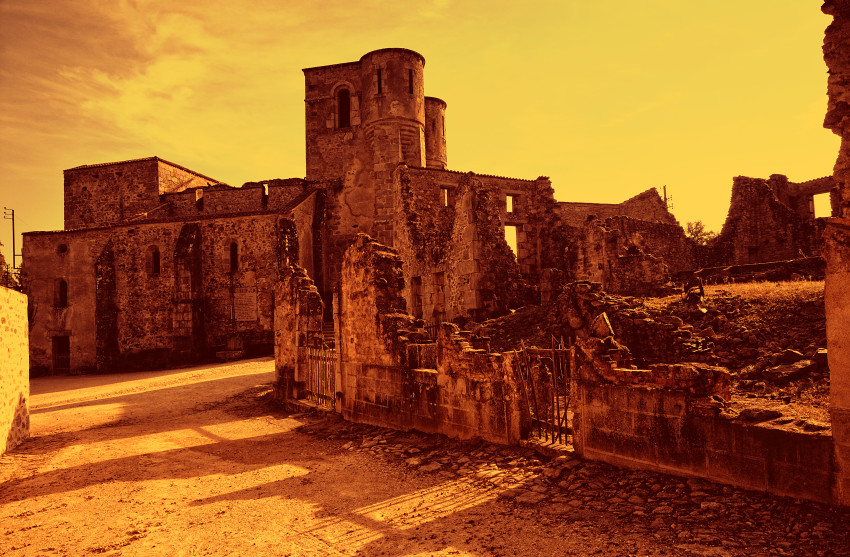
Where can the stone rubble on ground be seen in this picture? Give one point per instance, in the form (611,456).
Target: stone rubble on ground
(694,512)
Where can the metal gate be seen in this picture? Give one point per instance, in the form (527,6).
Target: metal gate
(545,384)
(321,377)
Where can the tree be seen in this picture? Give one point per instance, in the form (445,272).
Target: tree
(7,274)
(697,232)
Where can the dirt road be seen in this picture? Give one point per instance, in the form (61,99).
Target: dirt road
(199,462)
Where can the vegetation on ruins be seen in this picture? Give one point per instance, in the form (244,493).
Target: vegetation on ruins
(697,232)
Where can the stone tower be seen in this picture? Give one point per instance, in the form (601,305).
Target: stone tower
(363,119)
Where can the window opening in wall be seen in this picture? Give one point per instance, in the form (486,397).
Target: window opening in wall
(443,124)
(155,261)
(61,354)
(344,108)
(60,299)
(416,295)
(380,83)
(821,206)
(510,202)
(62,249)
(410,81)
(234,257)
(444,196)
(439,297)
(511,238)
(752,254)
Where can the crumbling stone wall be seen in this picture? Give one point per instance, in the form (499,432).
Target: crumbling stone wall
(836,50)
(608,255)
(14,376)
(450,231)
(646,206)
(297,327)
(768,220)
(674,418)
(463,392)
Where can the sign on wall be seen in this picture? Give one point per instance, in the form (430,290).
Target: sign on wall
(245,303)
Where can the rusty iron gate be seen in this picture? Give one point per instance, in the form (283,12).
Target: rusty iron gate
(320,386)
(544,377)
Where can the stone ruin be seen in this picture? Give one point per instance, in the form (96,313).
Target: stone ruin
(772,220)
(159,264)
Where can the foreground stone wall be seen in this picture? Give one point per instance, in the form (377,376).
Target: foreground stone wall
(674,418)
(392,376)
(14,370)
(669,430)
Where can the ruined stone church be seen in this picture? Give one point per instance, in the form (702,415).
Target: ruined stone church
(158,264)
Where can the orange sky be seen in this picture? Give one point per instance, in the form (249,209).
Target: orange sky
(606,98)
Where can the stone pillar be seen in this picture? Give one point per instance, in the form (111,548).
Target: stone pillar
(837,301)
(836,53)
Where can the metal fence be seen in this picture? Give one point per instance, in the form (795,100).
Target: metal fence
(545,384)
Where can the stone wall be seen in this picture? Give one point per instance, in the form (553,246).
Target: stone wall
(123,309)
(14,376)
(769,220)
(646,206)
(670,431)
(836,49)
(298,326)
(111,193)
(391,376)
(608,255)
(674,418)
(450,230)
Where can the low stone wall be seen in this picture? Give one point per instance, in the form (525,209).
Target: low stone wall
(392,376)
(14,370)
(809,268)
(669,431)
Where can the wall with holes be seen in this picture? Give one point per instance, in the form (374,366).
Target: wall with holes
(14,370)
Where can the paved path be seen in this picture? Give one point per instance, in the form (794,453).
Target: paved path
(200,462)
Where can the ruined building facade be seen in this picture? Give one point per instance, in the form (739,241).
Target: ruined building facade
(159,264)
(772,220)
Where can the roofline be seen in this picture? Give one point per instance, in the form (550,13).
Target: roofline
(168,220)
(437,100)
(399,50)
(329,66)
(359,62)
(145,159)
(476,174)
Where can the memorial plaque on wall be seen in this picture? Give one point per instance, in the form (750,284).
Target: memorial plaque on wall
(245,304)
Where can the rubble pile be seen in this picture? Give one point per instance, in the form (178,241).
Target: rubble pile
(772,344)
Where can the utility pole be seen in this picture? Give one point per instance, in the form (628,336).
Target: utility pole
(668,200)
(9,214)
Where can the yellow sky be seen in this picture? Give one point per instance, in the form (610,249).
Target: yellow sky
(606,98)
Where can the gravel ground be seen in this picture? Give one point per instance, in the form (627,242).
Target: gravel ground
(201,462)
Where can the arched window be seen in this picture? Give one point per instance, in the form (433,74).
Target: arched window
(60,294)
(234,257)
(343,104)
